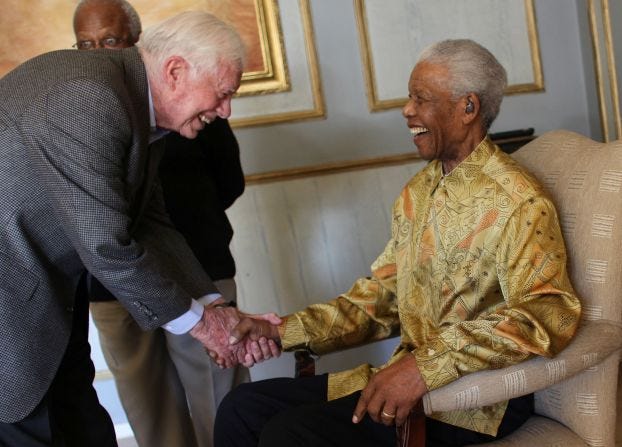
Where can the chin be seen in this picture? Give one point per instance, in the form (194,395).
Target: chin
(188,133)
(425,151)
(429,156)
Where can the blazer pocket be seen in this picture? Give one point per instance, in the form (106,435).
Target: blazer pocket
(15,280)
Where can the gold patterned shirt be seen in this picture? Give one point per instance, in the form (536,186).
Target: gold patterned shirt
(473,278)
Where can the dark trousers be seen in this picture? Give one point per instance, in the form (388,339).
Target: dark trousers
(294,412)
(70,414)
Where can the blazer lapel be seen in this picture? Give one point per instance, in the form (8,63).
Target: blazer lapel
(143,159)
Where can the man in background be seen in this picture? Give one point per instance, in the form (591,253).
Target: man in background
(78,193)
(157,371)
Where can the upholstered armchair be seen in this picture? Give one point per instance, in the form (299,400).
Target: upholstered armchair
(575,392)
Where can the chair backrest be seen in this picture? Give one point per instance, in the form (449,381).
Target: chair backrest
(584,178)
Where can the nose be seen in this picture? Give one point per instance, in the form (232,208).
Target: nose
(224,108)
(409,109)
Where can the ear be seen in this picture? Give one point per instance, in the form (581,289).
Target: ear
(470,108)
(175,70)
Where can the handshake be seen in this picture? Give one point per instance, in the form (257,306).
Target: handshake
(232,337)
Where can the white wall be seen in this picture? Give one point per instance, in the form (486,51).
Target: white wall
(304,241)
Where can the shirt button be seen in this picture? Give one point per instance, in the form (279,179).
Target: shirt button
(431,352)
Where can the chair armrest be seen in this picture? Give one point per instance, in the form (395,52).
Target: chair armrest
(594,342)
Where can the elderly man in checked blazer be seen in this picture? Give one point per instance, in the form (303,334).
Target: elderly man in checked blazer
(78,192)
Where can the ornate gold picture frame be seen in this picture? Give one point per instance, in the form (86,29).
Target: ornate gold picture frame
(257,21)
(392,34)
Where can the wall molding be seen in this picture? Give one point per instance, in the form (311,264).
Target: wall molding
(331,168)
(604,62)
(353,165)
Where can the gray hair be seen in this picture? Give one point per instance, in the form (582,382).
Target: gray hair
(199,37)
(472,68)
(133,19)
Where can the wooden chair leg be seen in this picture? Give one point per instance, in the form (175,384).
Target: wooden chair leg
(305,364)
(412,433)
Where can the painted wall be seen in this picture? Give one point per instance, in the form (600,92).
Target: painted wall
(351,132)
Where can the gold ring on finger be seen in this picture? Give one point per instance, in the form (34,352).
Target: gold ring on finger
(388,415)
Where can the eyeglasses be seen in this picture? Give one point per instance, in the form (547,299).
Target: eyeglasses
(107,42)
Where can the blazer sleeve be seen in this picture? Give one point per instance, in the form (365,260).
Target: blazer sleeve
(153,227)
(85,145)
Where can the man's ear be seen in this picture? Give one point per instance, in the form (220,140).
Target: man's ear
(175,70)
(471,105)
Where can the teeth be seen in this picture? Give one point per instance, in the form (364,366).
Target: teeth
(418,130)
(205,119)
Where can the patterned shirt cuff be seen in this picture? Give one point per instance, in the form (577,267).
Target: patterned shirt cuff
(436,364)
(293,334)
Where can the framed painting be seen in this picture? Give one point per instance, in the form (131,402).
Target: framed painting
(257,21)
(392,34)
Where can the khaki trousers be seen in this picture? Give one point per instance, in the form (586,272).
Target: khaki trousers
(168,385)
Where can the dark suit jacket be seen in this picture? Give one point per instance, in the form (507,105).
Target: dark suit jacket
(76,192)
(200,178)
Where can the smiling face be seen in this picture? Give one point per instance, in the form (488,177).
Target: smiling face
(441,126)
(185,102)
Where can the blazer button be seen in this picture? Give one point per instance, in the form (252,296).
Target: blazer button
(69,309)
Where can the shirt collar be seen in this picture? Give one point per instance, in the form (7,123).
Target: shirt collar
(464,170)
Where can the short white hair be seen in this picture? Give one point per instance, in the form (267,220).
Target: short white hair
(472,68)
(199,37)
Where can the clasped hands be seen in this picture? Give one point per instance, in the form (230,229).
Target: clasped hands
(232,337)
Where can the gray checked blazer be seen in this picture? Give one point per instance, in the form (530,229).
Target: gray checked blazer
(78,191)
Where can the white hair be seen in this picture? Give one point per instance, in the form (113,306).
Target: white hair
(472,69)
(133,19)
(199,37)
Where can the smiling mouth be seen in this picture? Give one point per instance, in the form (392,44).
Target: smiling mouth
(205,119)
(416,131)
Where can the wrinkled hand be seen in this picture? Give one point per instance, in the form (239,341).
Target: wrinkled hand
(392,393)
(213,331)
(259,345)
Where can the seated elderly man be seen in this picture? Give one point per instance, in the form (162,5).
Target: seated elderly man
(473,278)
